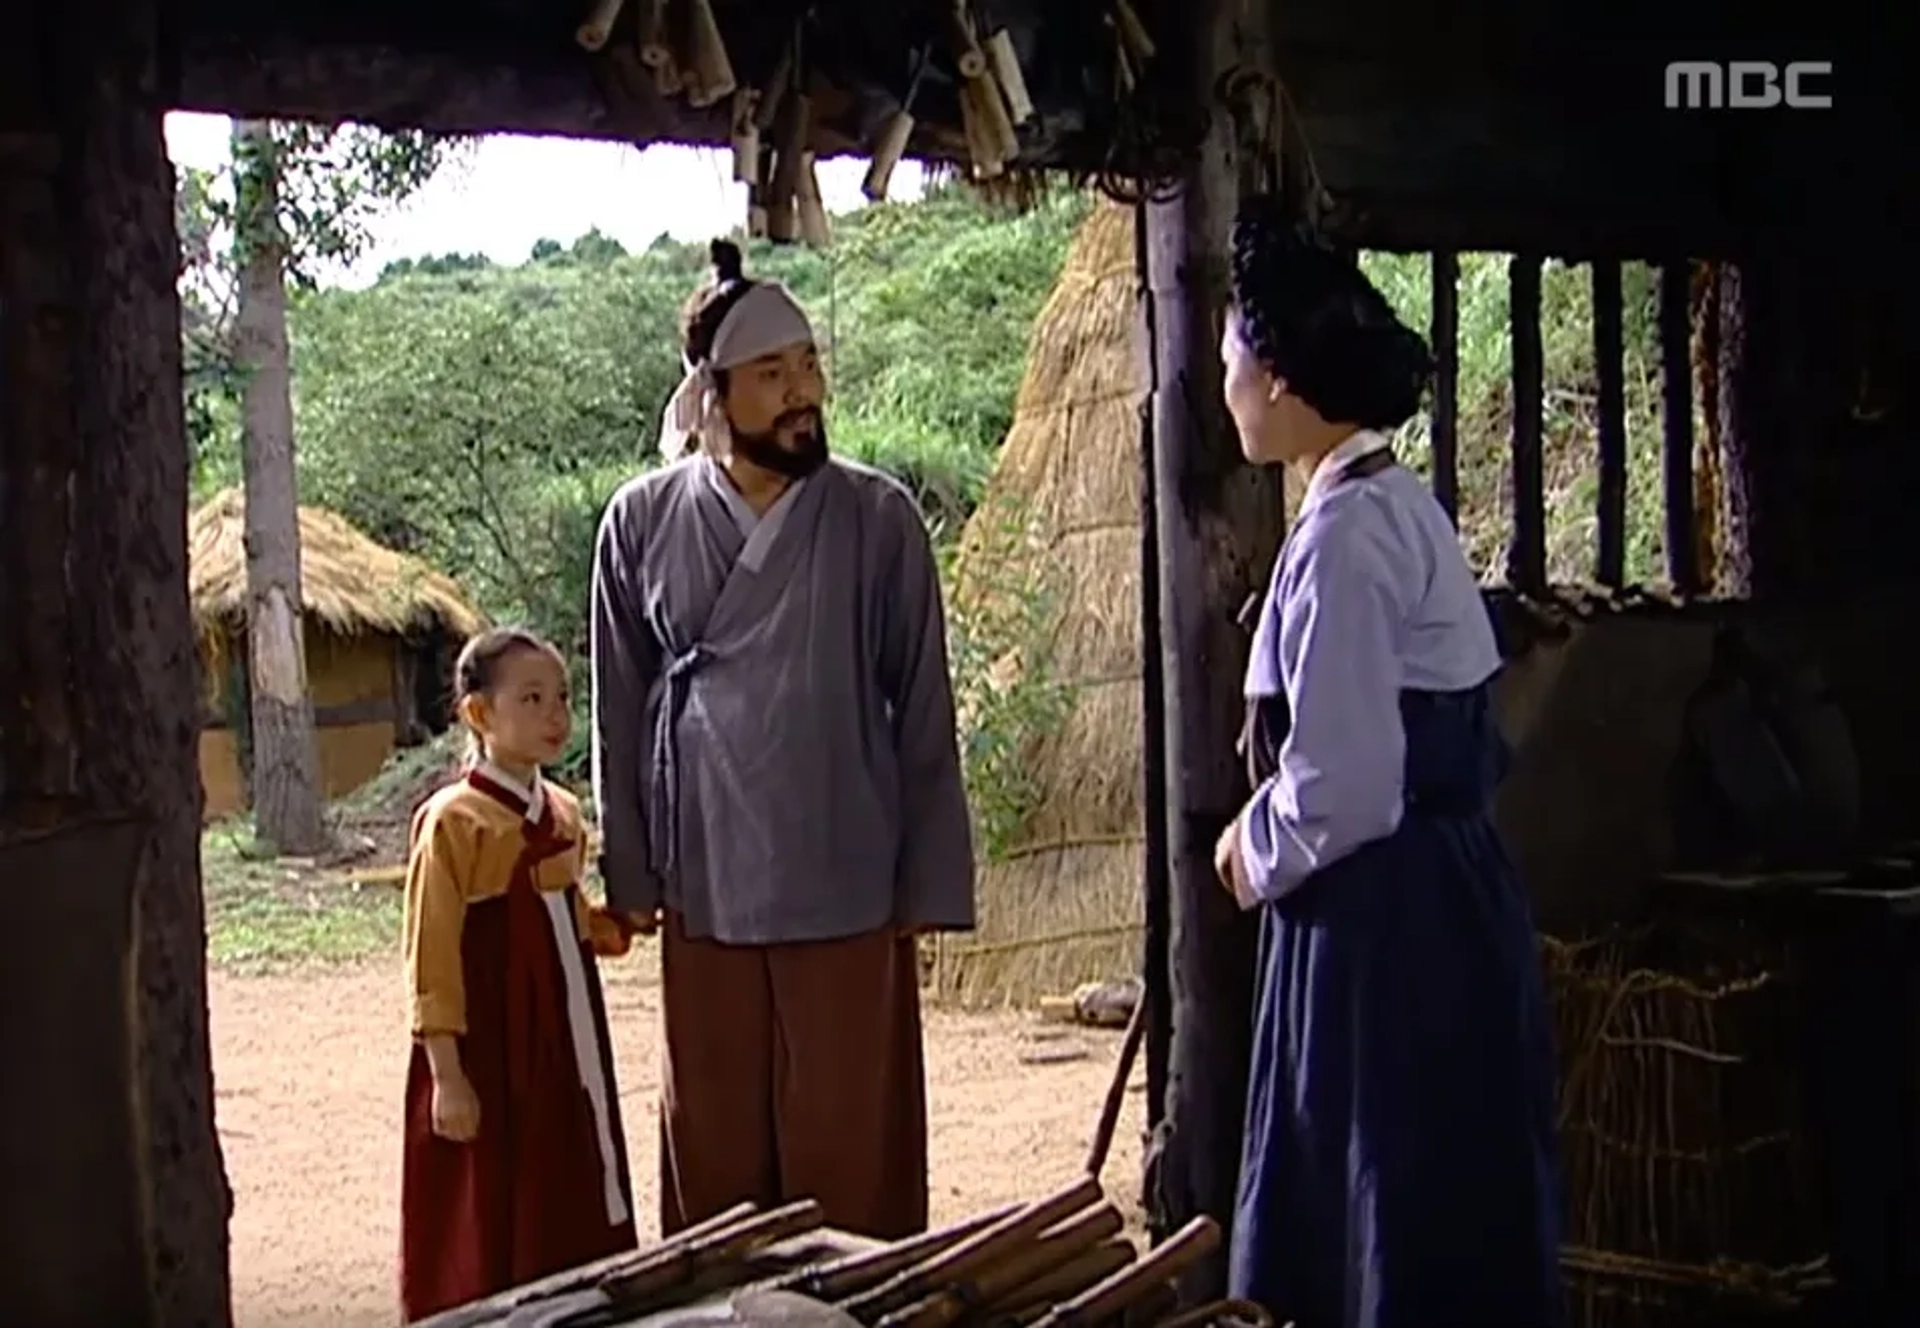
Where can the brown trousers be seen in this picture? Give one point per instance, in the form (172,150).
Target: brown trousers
(794,1072)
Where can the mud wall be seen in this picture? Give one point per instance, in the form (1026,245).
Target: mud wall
(1595,719)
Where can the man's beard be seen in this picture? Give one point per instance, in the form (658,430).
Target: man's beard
(796,460)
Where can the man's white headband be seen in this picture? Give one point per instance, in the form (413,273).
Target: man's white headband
(764,320)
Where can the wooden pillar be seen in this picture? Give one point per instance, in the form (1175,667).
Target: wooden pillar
(1156,973)
(1609,367)
(1445,339)
(1218,524)
(99,790)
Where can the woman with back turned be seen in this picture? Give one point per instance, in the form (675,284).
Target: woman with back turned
(1399,1163)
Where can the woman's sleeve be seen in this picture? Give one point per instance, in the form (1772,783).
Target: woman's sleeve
(439,867)
(1338,784)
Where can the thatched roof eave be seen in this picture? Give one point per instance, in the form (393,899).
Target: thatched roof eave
(350,584)
(1507,125)
(515,66)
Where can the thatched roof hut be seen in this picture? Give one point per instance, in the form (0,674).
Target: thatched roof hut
(348,583)
(381,630)
(1061,902)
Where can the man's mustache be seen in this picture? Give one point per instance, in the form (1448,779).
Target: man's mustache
(795,418)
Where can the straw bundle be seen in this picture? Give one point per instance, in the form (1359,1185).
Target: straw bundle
(1679,1123)
(1062,904)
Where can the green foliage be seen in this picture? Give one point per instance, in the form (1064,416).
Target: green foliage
(327,183)
(312,191)
(1006,691)
(1571,423)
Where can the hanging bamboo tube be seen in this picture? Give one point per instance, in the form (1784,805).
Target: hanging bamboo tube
(709,68)
(593,33)
(745,135)
(968,58)
(991,108)
(789,155)
(651,33)
(668,81)
(887,151)
(1134,33)
(1004,62)
(773,95)
(982,152)
(815,229)
(757,220)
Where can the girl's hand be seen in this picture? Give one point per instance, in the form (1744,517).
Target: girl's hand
(456,1109)
(608,933)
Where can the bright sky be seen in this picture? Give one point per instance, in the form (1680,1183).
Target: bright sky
(516,190)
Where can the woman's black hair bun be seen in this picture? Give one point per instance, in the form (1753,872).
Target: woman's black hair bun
(728,265)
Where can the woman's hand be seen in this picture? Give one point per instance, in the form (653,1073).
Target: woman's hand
(456,1109)
(1227,864)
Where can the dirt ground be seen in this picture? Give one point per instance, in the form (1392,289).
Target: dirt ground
(308,1069)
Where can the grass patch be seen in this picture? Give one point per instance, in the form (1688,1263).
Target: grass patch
(265,915)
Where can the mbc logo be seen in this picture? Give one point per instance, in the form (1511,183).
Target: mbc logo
(1746,85)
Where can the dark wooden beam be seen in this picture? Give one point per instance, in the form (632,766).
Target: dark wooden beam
(1156,871)
(1446,380)
(393,87)
(1676,435)
(1527,551)
(1217,526)
(98,701)
(1610,514)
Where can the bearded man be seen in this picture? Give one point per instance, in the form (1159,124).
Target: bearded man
(778,778)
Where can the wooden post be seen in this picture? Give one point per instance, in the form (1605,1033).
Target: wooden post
(99,707)
(1527,552)
(1676,383)
(1446,381)
(1609,366)
(1217,527)
(1155,968)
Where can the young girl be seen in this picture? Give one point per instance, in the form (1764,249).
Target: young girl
(515,1162)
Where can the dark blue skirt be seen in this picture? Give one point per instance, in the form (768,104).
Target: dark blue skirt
(1399,1165)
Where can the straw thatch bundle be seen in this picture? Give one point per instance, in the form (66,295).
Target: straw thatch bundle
(1062,904)
(349,584)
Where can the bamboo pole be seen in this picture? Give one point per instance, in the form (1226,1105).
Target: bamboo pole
(593,33)
(1004,63)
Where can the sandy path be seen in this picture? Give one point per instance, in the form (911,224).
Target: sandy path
(308,1070)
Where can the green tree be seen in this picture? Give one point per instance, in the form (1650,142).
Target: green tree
(301,196)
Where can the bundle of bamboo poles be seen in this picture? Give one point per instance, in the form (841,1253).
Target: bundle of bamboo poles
(1058,1262)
